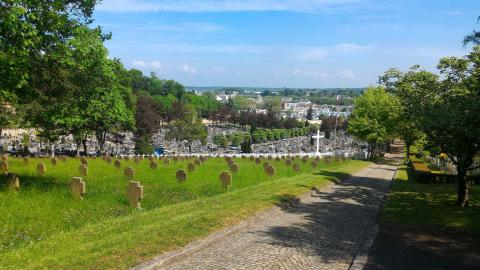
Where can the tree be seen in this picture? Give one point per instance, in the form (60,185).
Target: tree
(147,119)
(187,129)
(309,113)
(373,118)
(473,37)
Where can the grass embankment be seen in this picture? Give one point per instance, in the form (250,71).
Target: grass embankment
(43,227)
(414,203)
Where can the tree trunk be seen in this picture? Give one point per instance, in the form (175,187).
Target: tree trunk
(463,186)
(190,148)
(407,146)
(84,142)
(52,149)
(101,137)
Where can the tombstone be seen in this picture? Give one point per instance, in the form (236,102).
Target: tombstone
(175,159)
(181,176)
(296,167)
(84,161)
(117,164)
(166,161)
(304,159)
(13,182)
(128,173)
(83,170)
(77,187)
(108,160)
(269,170)
(277,159)
(327,160)
(234,168)
(153,165)
(202,159)
(257,161)
(265,164)
(3,166)
(54,162)
(197,162)
(134,193)
(252,158)
(25,161)
(4,158)
(270,157)
(136,160)
(314,164)
(288,162)
(41,168)
(126,158)
(191,167)
(225,179)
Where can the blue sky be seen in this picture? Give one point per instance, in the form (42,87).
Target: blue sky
(284,43)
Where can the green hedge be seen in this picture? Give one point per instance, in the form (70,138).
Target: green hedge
(261,135)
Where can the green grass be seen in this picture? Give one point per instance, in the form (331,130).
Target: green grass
(433,205)
(43,227)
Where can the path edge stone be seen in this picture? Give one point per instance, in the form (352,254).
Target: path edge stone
(361,258)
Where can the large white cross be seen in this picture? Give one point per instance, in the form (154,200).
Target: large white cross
(318,137)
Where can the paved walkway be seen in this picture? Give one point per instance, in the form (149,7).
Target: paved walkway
(323,231)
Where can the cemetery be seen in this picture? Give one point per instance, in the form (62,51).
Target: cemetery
(48,207)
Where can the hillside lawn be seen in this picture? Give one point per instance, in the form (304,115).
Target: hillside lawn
(41,226)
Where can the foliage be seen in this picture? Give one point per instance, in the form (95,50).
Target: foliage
(148,121)
(374,118)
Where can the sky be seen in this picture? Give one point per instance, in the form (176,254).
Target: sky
(284,43)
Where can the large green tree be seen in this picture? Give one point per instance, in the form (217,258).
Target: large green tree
(187,129)
(447,110)
(374,118)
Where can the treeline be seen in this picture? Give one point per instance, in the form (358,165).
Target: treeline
(418,106)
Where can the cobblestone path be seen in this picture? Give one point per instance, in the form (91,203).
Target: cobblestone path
(323,231)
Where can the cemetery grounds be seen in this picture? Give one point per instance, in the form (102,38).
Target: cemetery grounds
(43,226)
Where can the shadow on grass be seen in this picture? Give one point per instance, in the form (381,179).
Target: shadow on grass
(43,183)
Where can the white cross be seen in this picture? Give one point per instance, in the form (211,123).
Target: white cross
(318,137)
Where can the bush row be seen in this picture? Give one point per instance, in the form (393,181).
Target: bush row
(424,175)
(260,136)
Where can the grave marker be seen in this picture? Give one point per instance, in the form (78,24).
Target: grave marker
(41,168)
(153,165)
(3,166)
(288,162)
(117,164)
(226,179)
(191,167)
(269,170)
(234,167)
(296,167)
(128,173)
(257,161)
(83,170)
(13,182)
(166,161)
(134,193)
(77,187)
(197,162)
(181,176)
(54,162)
(83,160)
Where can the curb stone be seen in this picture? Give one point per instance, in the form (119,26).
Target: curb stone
(361,258)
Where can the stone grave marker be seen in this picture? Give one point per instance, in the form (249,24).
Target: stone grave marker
(3,166)
(77,187)
(257,161)
(197,162)
(83,170)
(136,160)
(277,159)
(202,159)
(265,164)
(181,176)
(41,168)
(225,179)
(314,164)
(269,170)
(134,193)
(128,173)
(327,160)
(175,159)
(234,168)
(117,164)
(304,159)
(153,164)
(83,160)
(296,167)
(166,161)
(191,167)
(288,162)
(108,160)
(13,182)
(252,158)
(53,161)
(4,158)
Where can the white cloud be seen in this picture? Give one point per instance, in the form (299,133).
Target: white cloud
(223,5)
(346,74)
(320,53)
(310,73)
(138,63)
(183,27)
(188,69)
